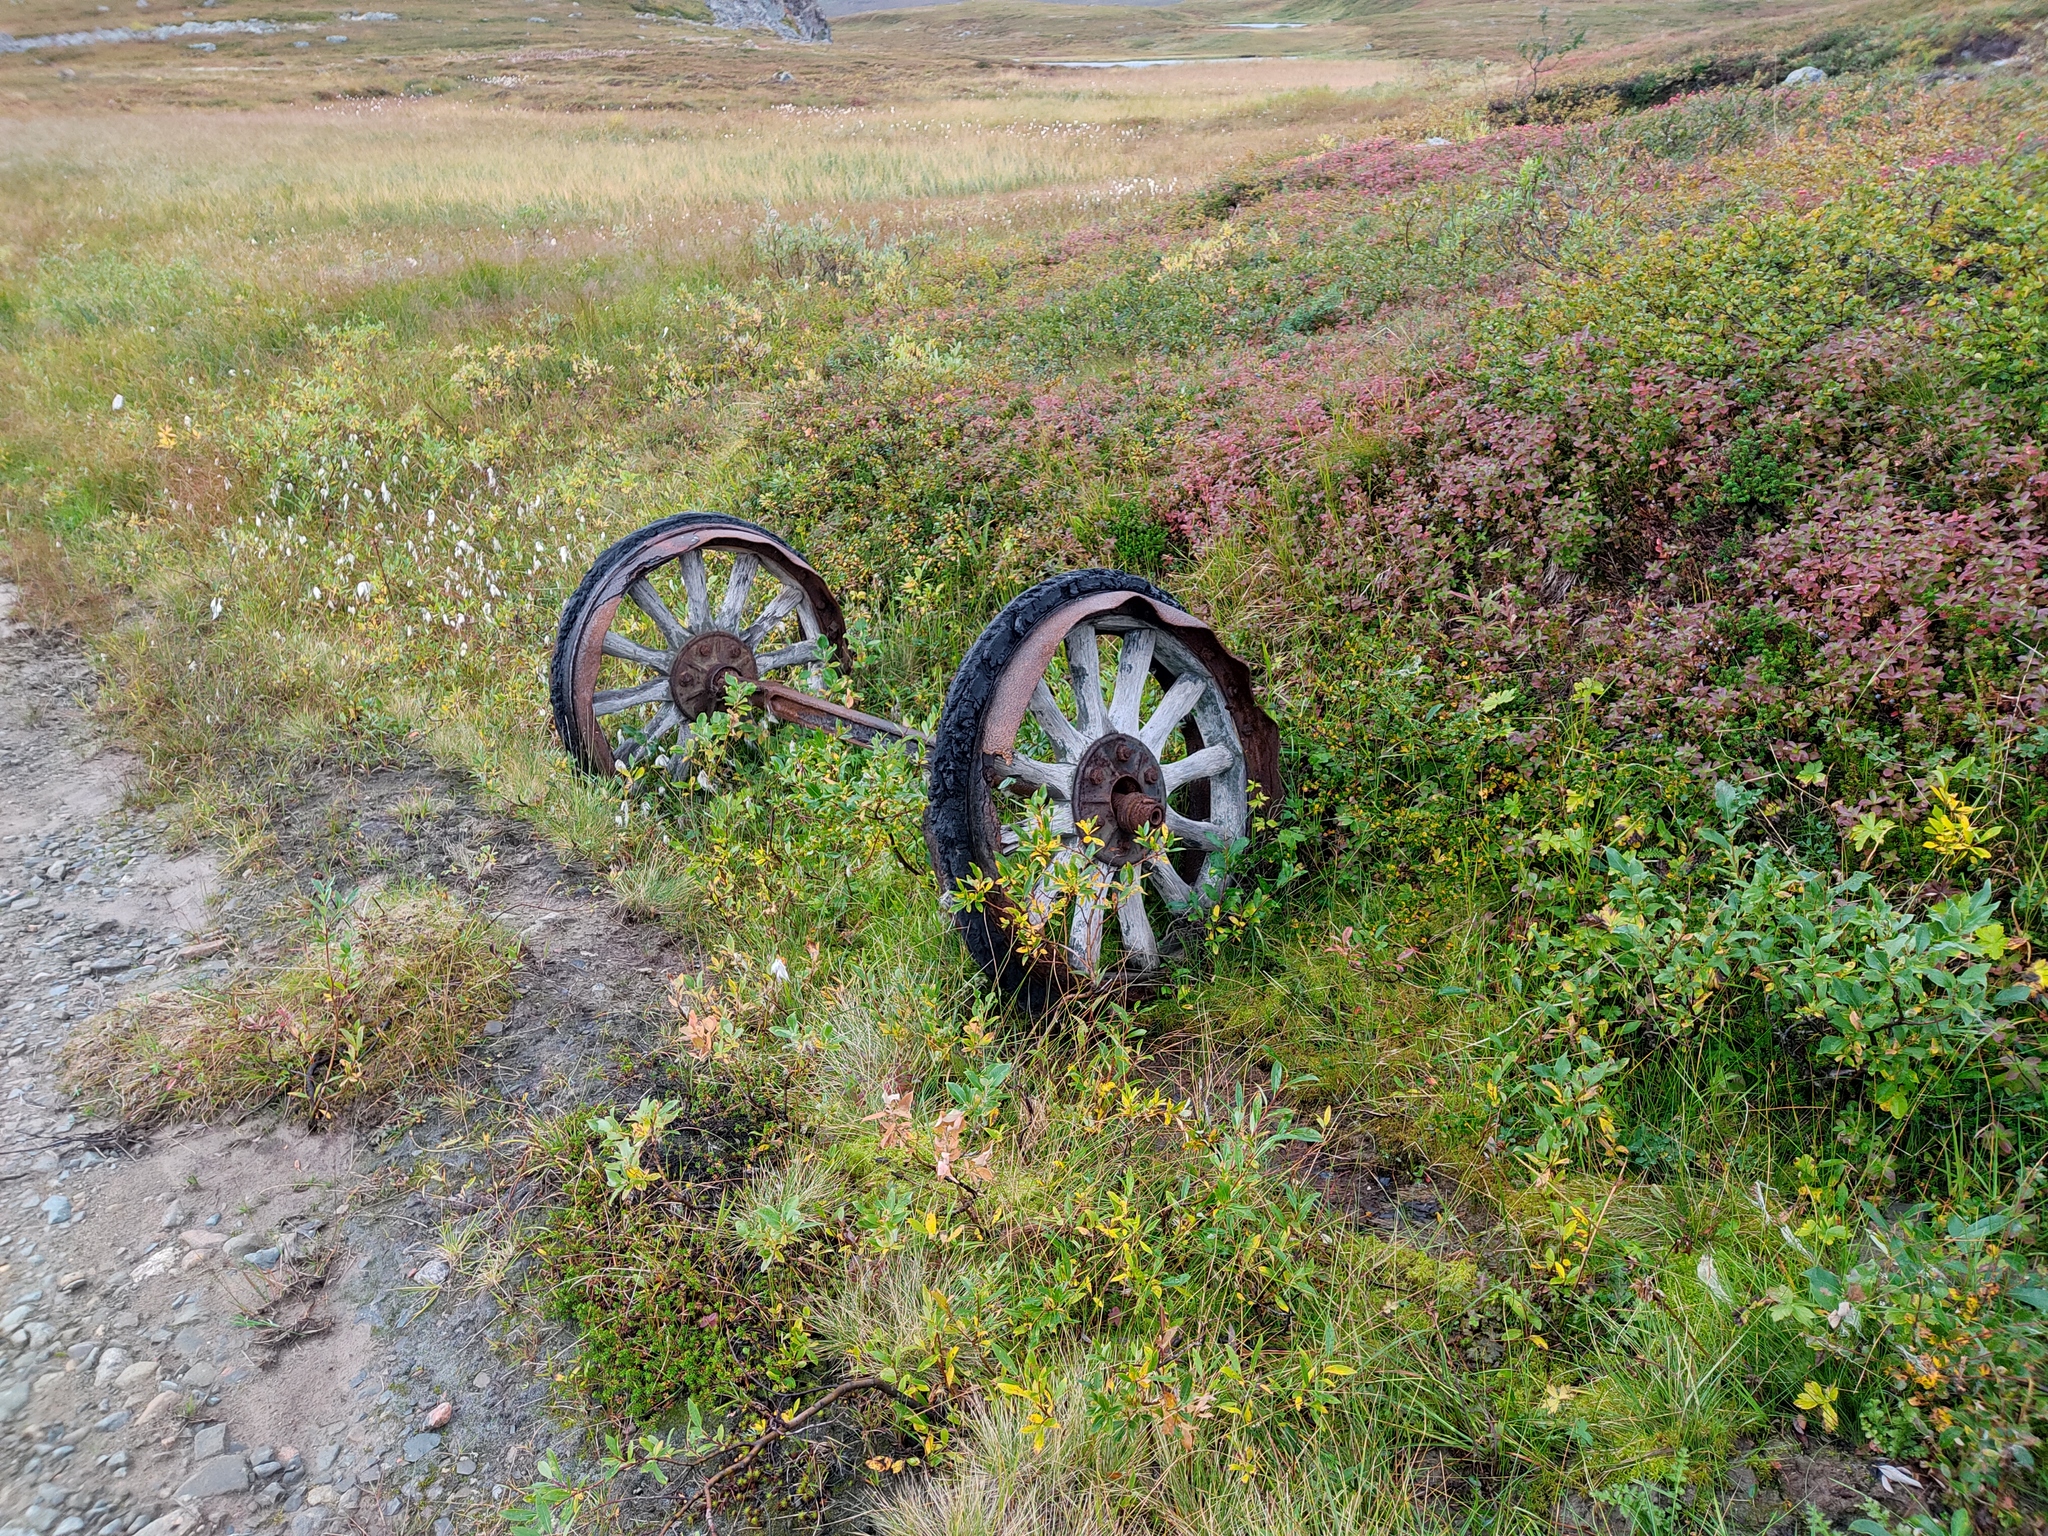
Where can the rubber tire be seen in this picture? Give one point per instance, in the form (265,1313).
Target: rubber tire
(955,762)
(562,664)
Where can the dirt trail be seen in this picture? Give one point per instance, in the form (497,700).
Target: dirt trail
(140,1389)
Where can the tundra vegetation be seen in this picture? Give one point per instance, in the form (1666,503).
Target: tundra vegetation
(1631,495)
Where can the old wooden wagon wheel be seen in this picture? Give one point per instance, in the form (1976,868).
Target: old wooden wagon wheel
(666,617)
(1128,714)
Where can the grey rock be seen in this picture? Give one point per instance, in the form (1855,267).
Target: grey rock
(242,1244)
(419,1447)
(57,1208)
(174,1216)
(223,1474)
(113,1420)
(466,1465)
(797,20)
(70,1525)
(325,1458)
(1806,74)
(307,1522)
(266,1258)
(38,1519)
(107,965)
(15,1318)
(210,1441)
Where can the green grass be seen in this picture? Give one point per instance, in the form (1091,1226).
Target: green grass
(1604,967)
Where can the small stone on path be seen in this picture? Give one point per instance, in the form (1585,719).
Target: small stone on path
(223,1474)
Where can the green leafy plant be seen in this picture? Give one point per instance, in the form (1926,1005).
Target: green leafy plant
(624,1174)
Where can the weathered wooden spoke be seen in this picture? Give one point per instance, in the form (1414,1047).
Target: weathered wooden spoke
(780,607)
(1133,667)
(1045,709)
(789,656)
(739,586)
(669,718)
(649,602)
(696,583)
(616,644)
(1057,777)
(612,700)
(1203,764)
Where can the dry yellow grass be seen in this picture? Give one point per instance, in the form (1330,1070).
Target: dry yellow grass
(354,192)
(390,995)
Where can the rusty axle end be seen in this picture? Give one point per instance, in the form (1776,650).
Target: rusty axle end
(1136,810)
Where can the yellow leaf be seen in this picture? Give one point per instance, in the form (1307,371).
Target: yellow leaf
(1813,1395)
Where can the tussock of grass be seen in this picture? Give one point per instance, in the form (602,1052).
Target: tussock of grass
(375,1000)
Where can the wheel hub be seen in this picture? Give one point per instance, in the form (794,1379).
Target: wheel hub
(1117,785)
(702,668)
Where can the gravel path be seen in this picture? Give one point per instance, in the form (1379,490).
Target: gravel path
(256,1327)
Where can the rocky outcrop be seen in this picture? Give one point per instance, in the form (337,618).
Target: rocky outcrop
(798,20)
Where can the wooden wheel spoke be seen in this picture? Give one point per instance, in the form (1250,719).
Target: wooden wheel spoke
(1091,908)
(1205,764)
(1166,880)
(780,607)
(789,656)
(616,644)
(696,584)
(739,586)
(1133,666)
(1200,834)
(1084,672)
(1045,709)
(612,700)
(1180,699)
(1141,948)
(649,602)
(669,718)
(1057,777)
